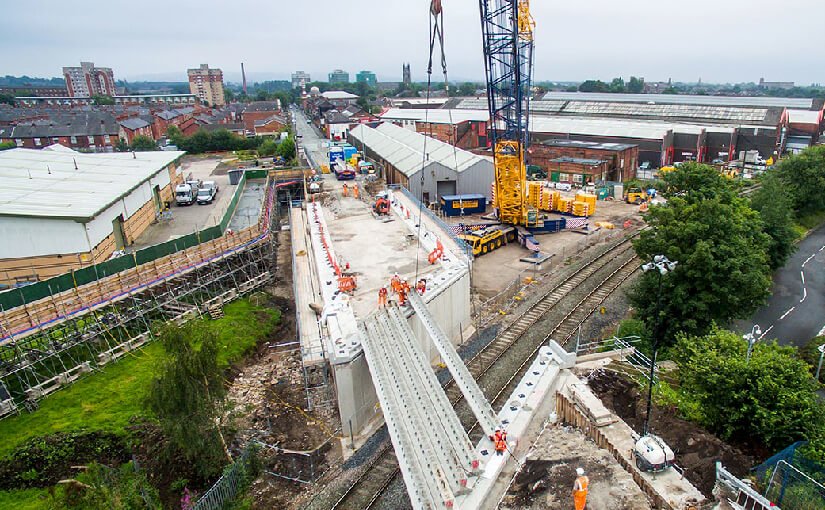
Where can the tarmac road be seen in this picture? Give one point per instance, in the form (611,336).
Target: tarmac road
(795,312)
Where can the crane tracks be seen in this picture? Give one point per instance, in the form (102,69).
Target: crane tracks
(619,258)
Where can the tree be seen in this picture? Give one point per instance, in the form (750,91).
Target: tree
(594,86)
(804,177)
(717,239)
(143,143)
(636,85)
(467,89)
(7,99)
(187,397)
(774,204)
(174,134)
(617,85)
(122,145)
(267,148)
(771,397)
(695,181)
(101,100)
(286,149)
(4,146)
(228,95)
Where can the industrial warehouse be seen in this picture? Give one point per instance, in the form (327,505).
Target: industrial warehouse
(408,157)
(63,210)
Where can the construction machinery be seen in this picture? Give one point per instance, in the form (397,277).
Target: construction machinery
(652,454)
(507,36)
(381,207)
(636,196)
(488,239)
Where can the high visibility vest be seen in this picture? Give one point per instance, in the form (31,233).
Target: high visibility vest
(581,484)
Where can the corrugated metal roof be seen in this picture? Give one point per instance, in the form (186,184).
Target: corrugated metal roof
(338,94)
(803,117)
(786,102)
(616,128)
(404,149)
(436,116)
(46,183)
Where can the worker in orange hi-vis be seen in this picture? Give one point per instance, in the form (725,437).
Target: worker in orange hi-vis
(382,297)
(403,291)
(580,489)
(499,440)
(344,190)
(395,283)
(355,190)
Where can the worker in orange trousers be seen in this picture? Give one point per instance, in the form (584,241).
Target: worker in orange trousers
(403,291)
(580,489)
(395,283)
(344,190)
(499,441)
(355,190)
(382,297)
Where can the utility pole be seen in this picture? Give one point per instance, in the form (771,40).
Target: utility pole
(663,266)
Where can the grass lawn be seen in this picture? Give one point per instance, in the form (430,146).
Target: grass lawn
(106,400)
(29,499)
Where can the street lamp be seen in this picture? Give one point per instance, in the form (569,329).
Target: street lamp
(752,338)
(821,350)
(662,265)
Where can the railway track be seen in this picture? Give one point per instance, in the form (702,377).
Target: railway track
(367,489)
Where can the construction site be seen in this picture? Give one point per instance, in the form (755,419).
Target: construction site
(446,335)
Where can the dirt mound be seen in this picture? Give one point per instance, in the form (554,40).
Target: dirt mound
(696,449)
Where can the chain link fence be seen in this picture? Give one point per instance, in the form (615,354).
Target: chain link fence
(792,481)
(234,480)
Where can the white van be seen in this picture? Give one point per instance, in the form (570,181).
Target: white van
(185,194)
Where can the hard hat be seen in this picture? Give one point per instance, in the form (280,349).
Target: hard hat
(580,471)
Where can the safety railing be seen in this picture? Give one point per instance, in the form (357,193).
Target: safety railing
(468,251)
(228,486)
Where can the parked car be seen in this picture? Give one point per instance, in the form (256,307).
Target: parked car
(207,192)
(185,194)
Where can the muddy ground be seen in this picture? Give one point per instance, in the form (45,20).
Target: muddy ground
(269,406)
(546,479)
(696,449)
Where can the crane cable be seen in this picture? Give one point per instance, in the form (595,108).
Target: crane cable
(436,35)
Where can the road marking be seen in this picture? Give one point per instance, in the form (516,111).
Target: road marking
(786,313)
(804,294)
(821,331)
(768,331)
(823,247)
(809,258)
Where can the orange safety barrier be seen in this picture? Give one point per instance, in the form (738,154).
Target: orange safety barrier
(347,284)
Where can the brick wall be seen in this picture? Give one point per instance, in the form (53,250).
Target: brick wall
(619,163)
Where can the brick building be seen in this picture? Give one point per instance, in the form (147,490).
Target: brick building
(88,80)
(87,131)
(270,125)
(602,161)
(207,84)
(465,129)
(258,111)
(135,126)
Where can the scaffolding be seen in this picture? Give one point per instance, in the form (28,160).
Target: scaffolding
(71,334)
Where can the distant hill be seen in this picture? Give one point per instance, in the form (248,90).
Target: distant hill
(28,81)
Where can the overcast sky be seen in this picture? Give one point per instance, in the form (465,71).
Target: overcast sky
(715,40)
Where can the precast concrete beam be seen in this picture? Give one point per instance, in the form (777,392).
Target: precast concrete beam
(469,387)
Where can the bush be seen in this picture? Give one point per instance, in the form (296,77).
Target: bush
(770,398)
(267,148)
(45,460)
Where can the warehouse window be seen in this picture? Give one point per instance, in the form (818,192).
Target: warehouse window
(74,139)
(564,177)
(91,140)
(577,178)
(37,141)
